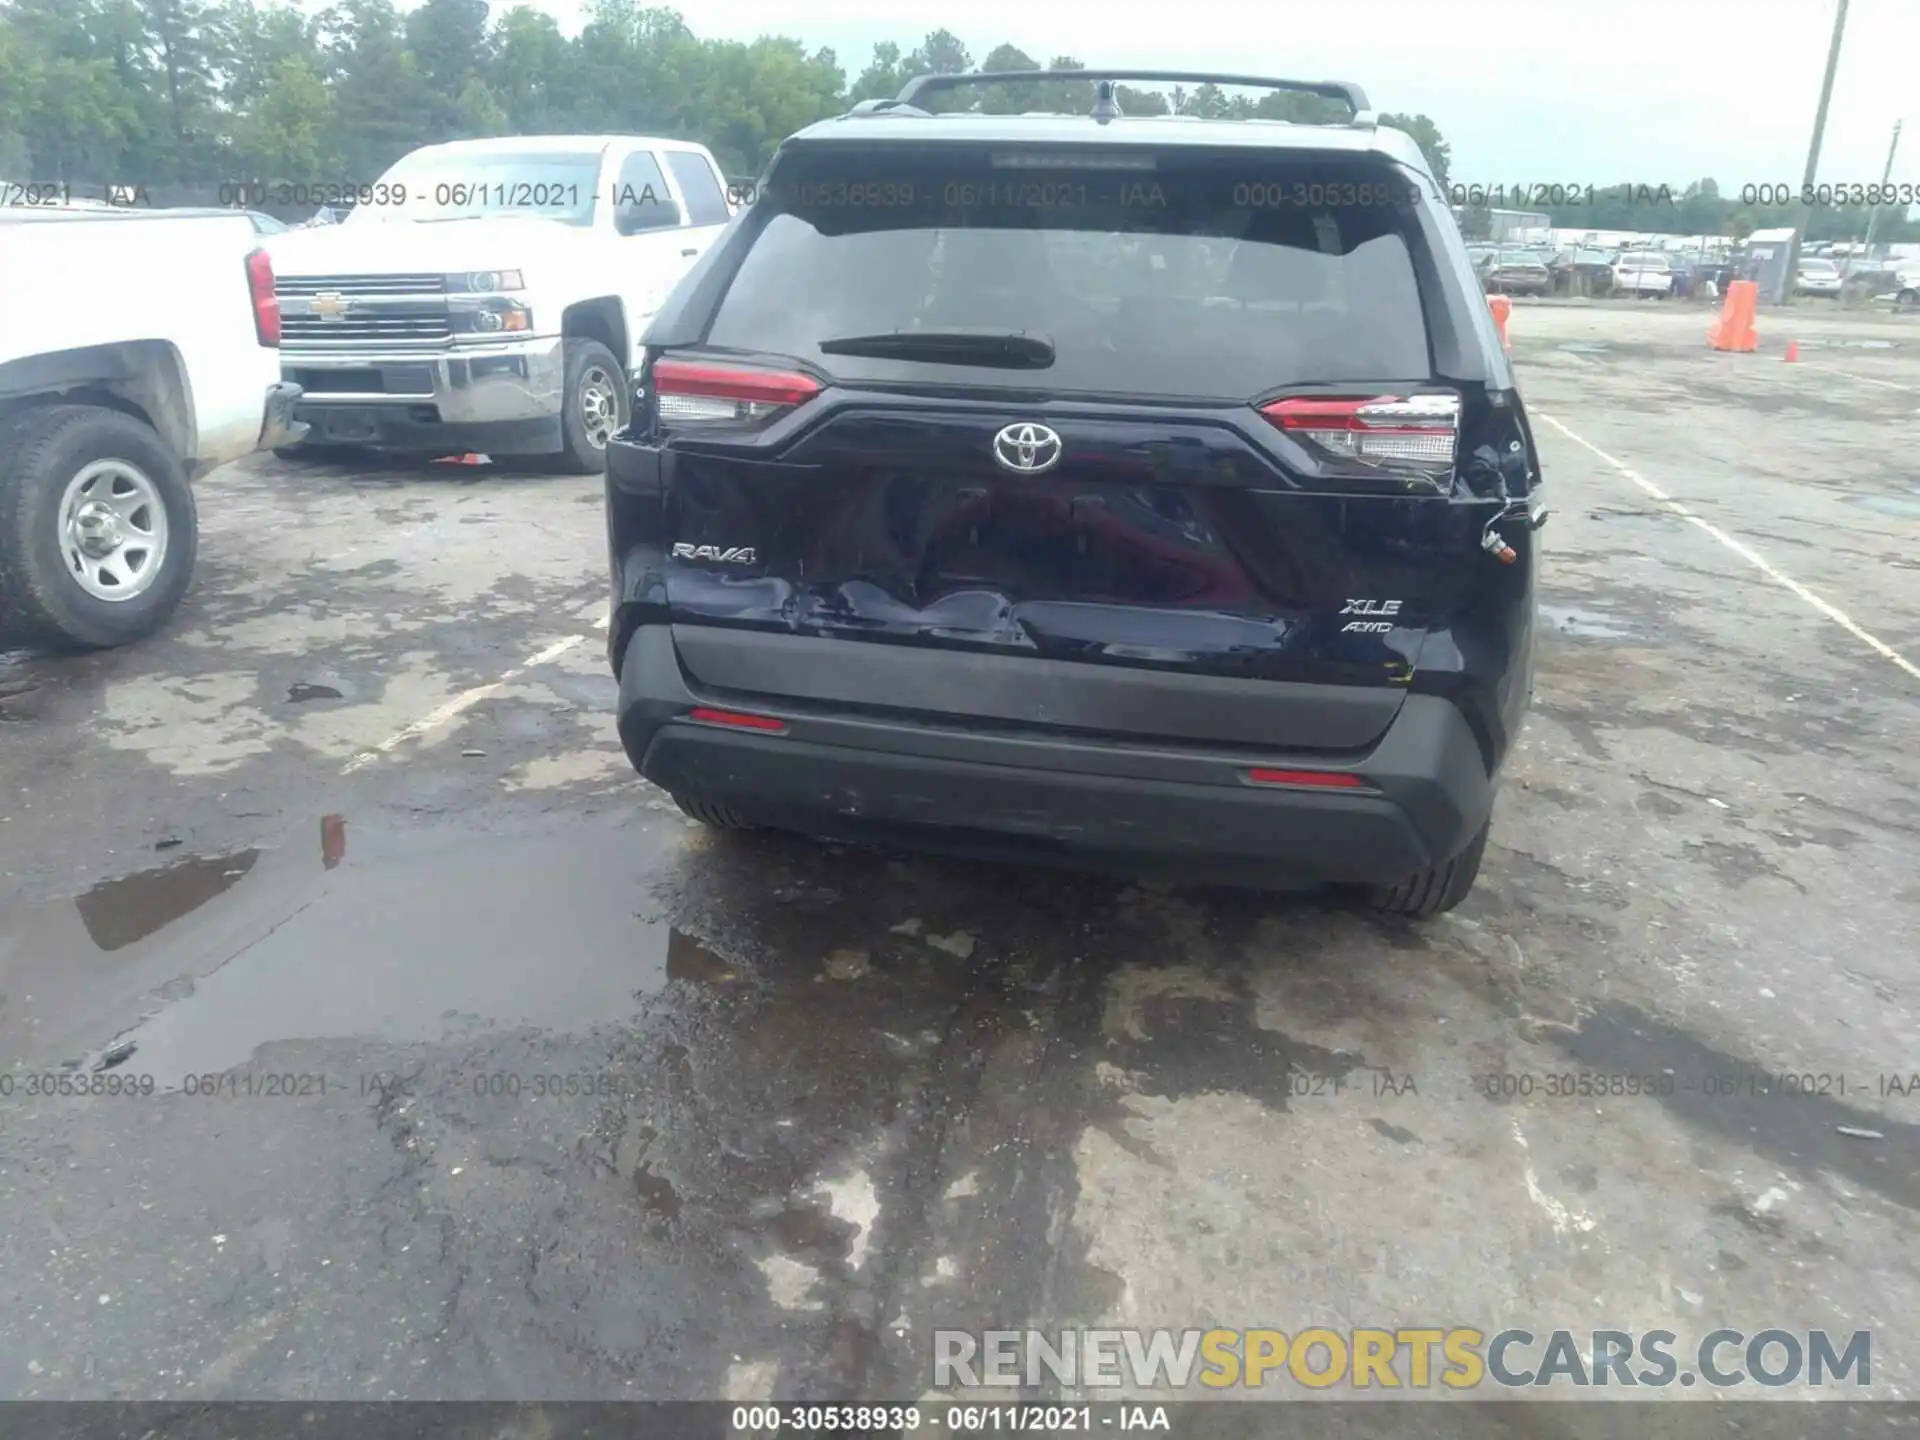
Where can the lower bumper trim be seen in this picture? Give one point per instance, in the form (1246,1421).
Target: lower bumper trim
(1143,808)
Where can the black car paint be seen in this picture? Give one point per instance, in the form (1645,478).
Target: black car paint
(1186,541)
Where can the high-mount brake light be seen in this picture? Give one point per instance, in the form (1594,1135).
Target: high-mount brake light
(692,395)
(1398,432)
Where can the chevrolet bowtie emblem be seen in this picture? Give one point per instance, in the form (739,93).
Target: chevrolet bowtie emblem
(330,305)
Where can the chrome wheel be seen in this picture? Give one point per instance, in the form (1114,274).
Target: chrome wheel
(113,530)
(599,405)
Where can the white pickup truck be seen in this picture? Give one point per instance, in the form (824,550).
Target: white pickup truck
(490,295)
(138,350)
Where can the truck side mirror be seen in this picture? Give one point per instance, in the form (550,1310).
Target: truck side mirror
(653,213)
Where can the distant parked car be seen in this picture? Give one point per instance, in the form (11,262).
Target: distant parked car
(1581,272)
(262,224)
(1517,272)
(1643,272)
(1902,291)
(1817,277)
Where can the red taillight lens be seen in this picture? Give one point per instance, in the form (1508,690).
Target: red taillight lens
(738,721)
(690,395)
(1322,779)
(266,305)
(1399,432)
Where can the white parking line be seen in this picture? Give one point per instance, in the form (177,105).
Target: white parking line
(1748,553)
(1850,375)
(465,700)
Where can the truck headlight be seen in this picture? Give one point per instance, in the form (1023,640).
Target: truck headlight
(493,317)
(486,282)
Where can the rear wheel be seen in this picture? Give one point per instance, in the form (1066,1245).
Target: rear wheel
(1441,887)
(712,813)
(98,530)
(1907,300)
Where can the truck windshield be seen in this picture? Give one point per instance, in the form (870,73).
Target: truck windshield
(432,187)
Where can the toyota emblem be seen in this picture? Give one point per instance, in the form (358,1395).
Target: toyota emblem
(1027,449)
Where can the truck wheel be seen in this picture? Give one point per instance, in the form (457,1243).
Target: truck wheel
(1428,892)
(595,404)
(98,529)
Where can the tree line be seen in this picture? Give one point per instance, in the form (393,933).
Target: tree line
(196,93)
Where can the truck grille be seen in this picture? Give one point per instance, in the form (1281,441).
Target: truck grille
(403,326)
(360,285)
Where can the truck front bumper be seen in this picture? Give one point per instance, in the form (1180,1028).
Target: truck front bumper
(499,399)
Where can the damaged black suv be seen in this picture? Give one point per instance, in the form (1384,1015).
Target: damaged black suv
(1141,492)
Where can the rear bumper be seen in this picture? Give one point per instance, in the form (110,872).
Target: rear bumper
(1008,792)
(278,427)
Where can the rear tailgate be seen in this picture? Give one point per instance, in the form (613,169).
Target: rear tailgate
(1165,510)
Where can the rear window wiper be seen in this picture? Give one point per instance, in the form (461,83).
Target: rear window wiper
(1010,350)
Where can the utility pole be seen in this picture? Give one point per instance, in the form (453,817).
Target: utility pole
(1813,150)
(1873,215)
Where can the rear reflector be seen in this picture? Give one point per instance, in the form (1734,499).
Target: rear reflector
(690,394)
(737,720)
(1398,431)
(1323,779)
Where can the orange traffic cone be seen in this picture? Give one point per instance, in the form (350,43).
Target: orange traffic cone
(1793,351)
(1502,308)
(1734,329)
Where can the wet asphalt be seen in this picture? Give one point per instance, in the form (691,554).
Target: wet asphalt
(374,1033)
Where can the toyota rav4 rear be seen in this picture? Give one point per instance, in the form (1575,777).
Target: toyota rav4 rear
(1150,493)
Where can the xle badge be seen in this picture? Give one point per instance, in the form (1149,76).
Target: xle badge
(719,554)
(1369,607)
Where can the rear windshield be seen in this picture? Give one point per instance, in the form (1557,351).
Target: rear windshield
(1206,276)
(1641,260)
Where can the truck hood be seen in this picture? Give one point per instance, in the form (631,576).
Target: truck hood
(370,247)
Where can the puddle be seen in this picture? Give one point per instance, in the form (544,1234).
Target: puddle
(300,692)
(119,912)
(1901,506)
(1584,624)
(368,935)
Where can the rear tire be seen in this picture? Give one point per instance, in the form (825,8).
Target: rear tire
(712,813)
(128,495)
(1429,892)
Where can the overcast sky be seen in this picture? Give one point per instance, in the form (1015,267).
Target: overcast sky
(1525,91)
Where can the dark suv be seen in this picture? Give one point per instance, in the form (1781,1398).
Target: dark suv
(1116,490)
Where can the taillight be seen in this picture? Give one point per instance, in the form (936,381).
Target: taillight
(1397,432)
(692,395)
(266,304)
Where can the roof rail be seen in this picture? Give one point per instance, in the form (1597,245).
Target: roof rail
(1345,91)
(884,107)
